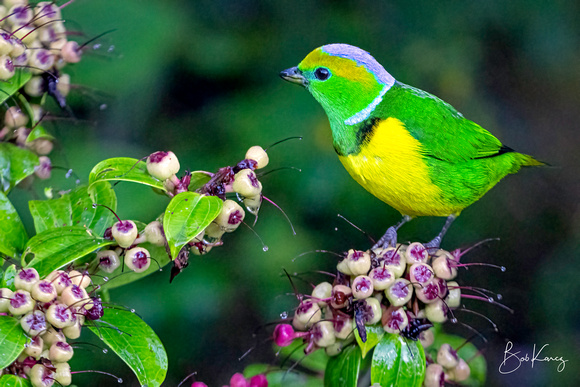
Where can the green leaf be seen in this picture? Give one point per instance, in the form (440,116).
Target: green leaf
(198,180)
(314,361)
(14,381)
(8,278)
(25,107)
(58,247)
(138,346)
(38,132)
(12,233)
(15,165)
(51,213)
(76,208)
(187,215)
(96,218)
(374,334)
(9,88)
(343,370)
(468,351)
(12,340)
(125,169)
(397,362)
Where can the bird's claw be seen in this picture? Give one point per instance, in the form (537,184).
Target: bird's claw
(433,245)
(389,239)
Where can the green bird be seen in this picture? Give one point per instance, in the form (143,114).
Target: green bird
(405,146)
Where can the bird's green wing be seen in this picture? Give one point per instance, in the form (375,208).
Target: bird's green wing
(443,132)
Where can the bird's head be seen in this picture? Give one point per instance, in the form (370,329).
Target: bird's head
(344,79)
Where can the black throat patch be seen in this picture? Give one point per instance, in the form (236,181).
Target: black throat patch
(364,132)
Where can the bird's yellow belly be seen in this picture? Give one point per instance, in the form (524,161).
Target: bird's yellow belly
(391,167)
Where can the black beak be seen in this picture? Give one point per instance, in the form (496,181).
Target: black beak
(294,75)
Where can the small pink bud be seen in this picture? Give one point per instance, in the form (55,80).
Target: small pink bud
(284,335)
(238,380)
(259,381)
(198,384)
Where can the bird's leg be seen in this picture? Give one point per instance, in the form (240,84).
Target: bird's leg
(434,244)
(389,239)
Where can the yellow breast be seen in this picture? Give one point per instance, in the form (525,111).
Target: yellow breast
(391,167)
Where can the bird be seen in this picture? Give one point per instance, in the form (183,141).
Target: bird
(405,146)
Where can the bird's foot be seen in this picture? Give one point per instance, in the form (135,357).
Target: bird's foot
(389,239)
(433,245)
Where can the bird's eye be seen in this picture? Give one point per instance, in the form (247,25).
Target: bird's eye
(322,73)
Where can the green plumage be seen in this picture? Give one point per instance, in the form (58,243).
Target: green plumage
(407,147)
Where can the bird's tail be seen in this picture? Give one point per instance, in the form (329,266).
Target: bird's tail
(528,161)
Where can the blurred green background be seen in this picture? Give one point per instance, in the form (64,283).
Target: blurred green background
(200,78)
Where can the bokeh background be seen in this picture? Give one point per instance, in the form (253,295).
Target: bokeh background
(200,78)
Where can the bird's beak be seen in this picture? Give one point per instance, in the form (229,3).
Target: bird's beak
(294,75)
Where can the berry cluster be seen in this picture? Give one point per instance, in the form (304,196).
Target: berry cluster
(127,237)
(404,289)
(238,380)
(51,310)
(240,179)
(34,38)
(447,367)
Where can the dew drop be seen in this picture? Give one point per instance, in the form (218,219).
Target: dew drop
(105,350)
(132,310)
(284,315)
(105,279)
(265,248)
(94,205)
(103,106)
(336,229)
(68,173)
(453,320)
(77,181)
(111,48)
(490,299)
(160,269)
(499,297)
(96,46)
(503,269)
(119,380)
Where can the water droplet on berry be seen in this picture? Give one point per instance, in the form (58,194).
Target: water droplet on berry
(453,320)
(265,248)
(284,315)
(502,269)
(499,297)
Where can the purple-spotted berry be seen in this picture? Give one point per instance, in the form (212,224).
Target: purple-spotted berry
(162,165)
(259,155)
(137,259)
(108,260)
(124,232)
(230,217)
